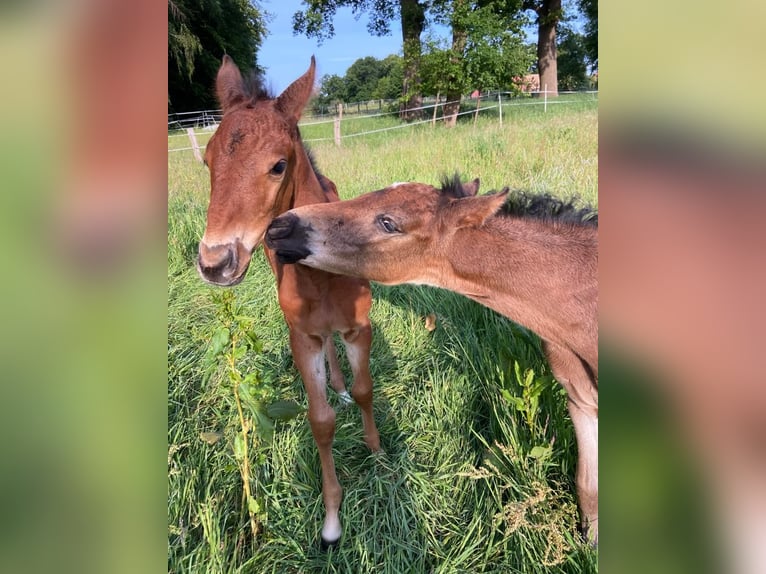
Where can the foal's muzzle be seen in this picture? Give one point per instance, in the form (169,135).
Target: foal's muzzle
(223,265)
(288,237)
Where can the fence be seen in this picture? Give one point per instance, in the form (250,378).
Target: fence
(206,121)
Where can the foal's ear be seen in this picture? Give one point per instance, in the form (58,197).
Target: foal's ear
(295,97)
(472,187)
(474,211)
(229,87)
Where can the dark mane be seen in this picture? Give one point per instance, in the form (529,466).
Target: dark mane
(543,206)
(254,88)
(546,207)
(453,187)
(320,176)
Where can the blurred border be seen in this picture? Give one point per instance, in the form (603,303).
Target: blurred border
(83,223)
(82,241)
(681,194)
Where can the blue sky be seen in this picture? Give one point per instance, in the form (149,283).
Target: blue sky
(286,56)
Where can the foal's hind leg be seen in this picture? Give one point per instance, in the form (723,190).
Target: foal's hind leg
(358,342)
(336,375)
(309,359)
(583,408)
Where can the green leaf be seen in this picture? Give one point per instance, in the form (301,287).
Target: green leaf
(253,342)
(239,447)
(540,452)
(264,426)
(219,341)
(253,505)
(284,410)
(210,437)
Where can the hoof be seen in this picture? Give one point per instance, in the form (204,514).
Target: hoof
(326,545)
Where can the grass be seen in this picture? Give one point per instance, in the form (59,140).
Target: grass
(478,470)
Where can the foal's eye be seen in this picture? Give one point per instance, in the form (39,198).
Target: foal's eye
(387,224)
(279,167)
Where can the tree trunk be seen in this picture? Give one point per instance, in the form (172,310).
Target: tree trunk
(548,15)
(413,21)
(455,92)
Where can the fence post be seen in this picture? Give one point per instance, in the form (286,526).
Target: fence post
(545,99)
(500,106)
(337,124)
(436,105)
(194,144)
(476,114)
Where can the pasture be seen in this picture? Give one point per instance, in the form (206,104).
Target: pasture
(478,470)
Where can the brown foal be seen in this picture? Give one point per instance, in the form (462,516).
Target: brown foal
(536,264)
(259,169)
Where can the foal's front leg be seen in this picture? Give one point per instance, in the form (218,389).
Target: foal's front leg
(309,359)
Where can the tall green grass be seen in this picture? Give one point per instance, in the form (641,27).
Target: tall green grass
(478,470)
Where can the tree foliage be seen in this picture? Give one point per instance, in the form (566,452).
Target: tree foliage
(486,49)
(572,65)
(491,53)
(316,21)
(200,32)
(366,79)
(589,9)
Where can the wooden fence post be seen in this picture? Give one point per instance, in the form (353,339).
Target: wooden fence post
(194,144)
(500,106)
(436,106)
(337,131)
(337,124)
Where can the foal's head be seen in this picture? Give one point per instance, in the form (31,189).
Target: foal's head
(251,158)
(384,235)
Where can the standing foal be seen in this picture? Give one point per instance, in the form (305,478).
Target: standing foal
(536,264)
(259,169)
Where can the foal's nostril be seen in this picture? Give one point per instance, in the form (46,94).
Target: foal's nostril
(280,228)
(217,262)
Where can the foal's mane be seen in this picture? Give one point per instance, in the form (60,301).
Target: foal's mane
(254,90)
(541,206)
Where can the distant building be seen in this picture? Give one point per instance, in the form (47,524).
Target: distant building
(528,83)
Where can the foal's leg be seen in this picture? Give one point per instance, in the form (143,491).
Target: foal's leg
(583,409)
(336,375)
(309,359)
(358,342)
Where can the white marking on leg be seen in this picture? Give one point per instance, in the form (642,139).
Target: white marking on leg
(331,529)
(345,398)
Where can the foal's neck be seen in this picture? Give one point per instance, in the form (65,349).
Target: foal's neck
(538,276)
(306,188)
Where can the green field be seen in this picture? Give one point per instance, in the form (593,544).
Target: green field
(478,470)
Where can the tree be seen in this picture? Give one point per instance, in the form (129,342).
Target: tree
(572,66)
(200,32)
(316,21)
(362,79)
(332,89)
(389,86)
(548,13)
(486,50)
(589,9)
(366,79)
